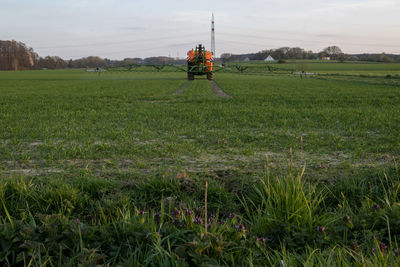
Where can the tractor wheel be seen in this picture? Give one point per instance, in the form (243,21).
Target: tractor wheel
(210,76)
(190,76)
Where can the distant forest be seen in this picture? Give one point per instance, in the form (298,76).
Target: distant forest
(331,52)
(17,56)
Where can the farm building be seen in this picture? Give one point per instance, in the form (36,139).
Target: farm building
(269,58)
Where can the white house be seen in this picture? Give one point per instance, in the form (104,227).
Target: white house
(269,58)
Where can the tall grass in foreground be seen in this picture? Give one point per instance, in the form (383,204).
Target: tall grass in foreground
(292,208)
(283,221)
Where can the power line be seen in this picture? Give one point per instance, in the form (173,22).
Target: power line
(304,40)
(120,42)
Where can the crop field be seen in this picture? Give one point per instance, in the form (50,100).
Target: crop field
(111,168)
(364,69)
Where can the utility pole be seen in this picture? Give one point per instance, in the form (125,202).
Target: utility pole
(213,36)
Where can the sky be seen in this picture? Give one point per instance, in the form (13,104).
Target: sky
(142,28)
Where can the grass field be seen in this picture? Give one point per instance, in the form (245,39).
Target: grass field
(349,68)
(111,168)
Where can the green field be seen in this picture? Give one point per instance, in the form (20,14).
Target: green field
(111,168)
(349,68)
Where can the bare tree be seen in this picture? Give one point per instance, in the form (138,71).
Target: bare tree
(52,63)
(88,62)
(333,52)
(385,58)
(16,56)
(225,57)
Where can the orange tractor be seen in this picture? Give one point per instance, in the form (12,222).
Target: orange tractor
(200,62)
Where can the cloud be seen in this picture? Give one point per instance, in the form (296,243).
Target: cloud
(357,4)
(138,28)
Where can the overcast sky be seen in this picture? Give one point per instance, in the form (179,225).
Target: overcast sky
(118,29)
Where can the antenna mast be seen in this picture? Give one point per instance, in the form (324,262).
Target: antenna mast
(213,36)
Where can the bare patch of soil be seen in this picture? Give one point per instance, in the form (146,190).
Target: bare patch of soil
(182,88)
(218,91)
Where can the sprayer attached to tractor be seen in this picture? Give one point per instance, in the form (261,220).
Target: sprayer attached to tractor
(200,62)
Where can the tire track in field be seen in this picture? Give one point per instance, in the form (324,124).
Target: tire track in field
(182,88)
(218,91)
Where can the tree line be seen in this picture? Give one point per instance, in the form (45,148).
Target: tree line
(330,52)
(17,56)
